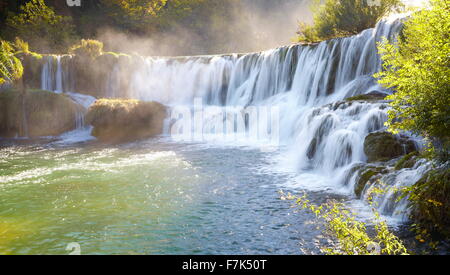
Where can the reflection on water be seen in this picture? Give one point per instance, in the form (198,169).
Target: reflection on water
(145,198)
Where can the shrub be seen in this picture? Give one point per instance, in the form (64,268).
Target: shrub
(352,235)
(87,48)
(417,67)
(337,18)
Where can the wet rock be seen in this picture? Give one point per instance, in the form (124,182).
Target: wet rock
(407,161)
(371,96)
(117,120)
(384,146)
(355,169)
(311,152)
(368,174)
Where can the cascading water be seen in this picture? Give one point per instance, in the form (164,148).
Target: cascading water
(57,77)
(323,135)
(47,75)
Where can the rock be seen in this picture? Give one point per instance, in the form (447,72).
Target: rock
(384,146)
(118,120)
(311,152)
(32,69)
(407,161)
(367,174)
(355,169)
(371,96)
(46,114)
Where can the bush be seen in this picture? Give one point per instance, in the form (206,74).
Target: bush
(352,235)
(417,67)
(337,18)
(87,48)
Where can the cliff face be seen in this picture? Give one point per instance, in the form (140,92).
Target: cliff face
(46,114)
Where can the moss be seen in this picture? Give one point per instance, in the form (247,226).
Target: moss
(407,161)
(116,55)
(120,120)
(111,53)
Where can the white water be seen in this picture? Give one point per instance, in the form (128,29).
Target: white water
(321,136)
(60,81)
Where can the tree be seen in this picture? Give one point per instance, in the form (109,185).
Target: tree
(417,67)
(337,18)
(11,68)
(39,25)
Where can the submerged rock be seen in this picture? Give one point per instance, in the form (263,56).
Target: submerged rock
(119,120)
(383,146)
(37,113)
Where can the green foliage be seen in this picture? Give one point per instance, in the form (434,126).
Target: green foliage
(87,48)
(40,26)
(197,23)
(352,235)
(417,67)
(337,18)
(21,46)
(11,67)
(153,27)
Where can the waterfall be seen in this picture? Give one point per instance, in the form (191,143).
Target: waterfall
(389,204)
(59,76)
(323,134)
(316,74)
(47,75)
(60,80)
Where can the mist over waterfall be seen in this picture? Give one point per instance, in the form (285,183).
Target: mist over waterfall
(321,134)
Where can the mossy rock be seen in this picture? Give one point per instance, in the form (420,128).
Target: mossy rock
(367,174)
(355,169)
(372,96)
(46,113)
(120,120)
(407,161)
(384,146)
